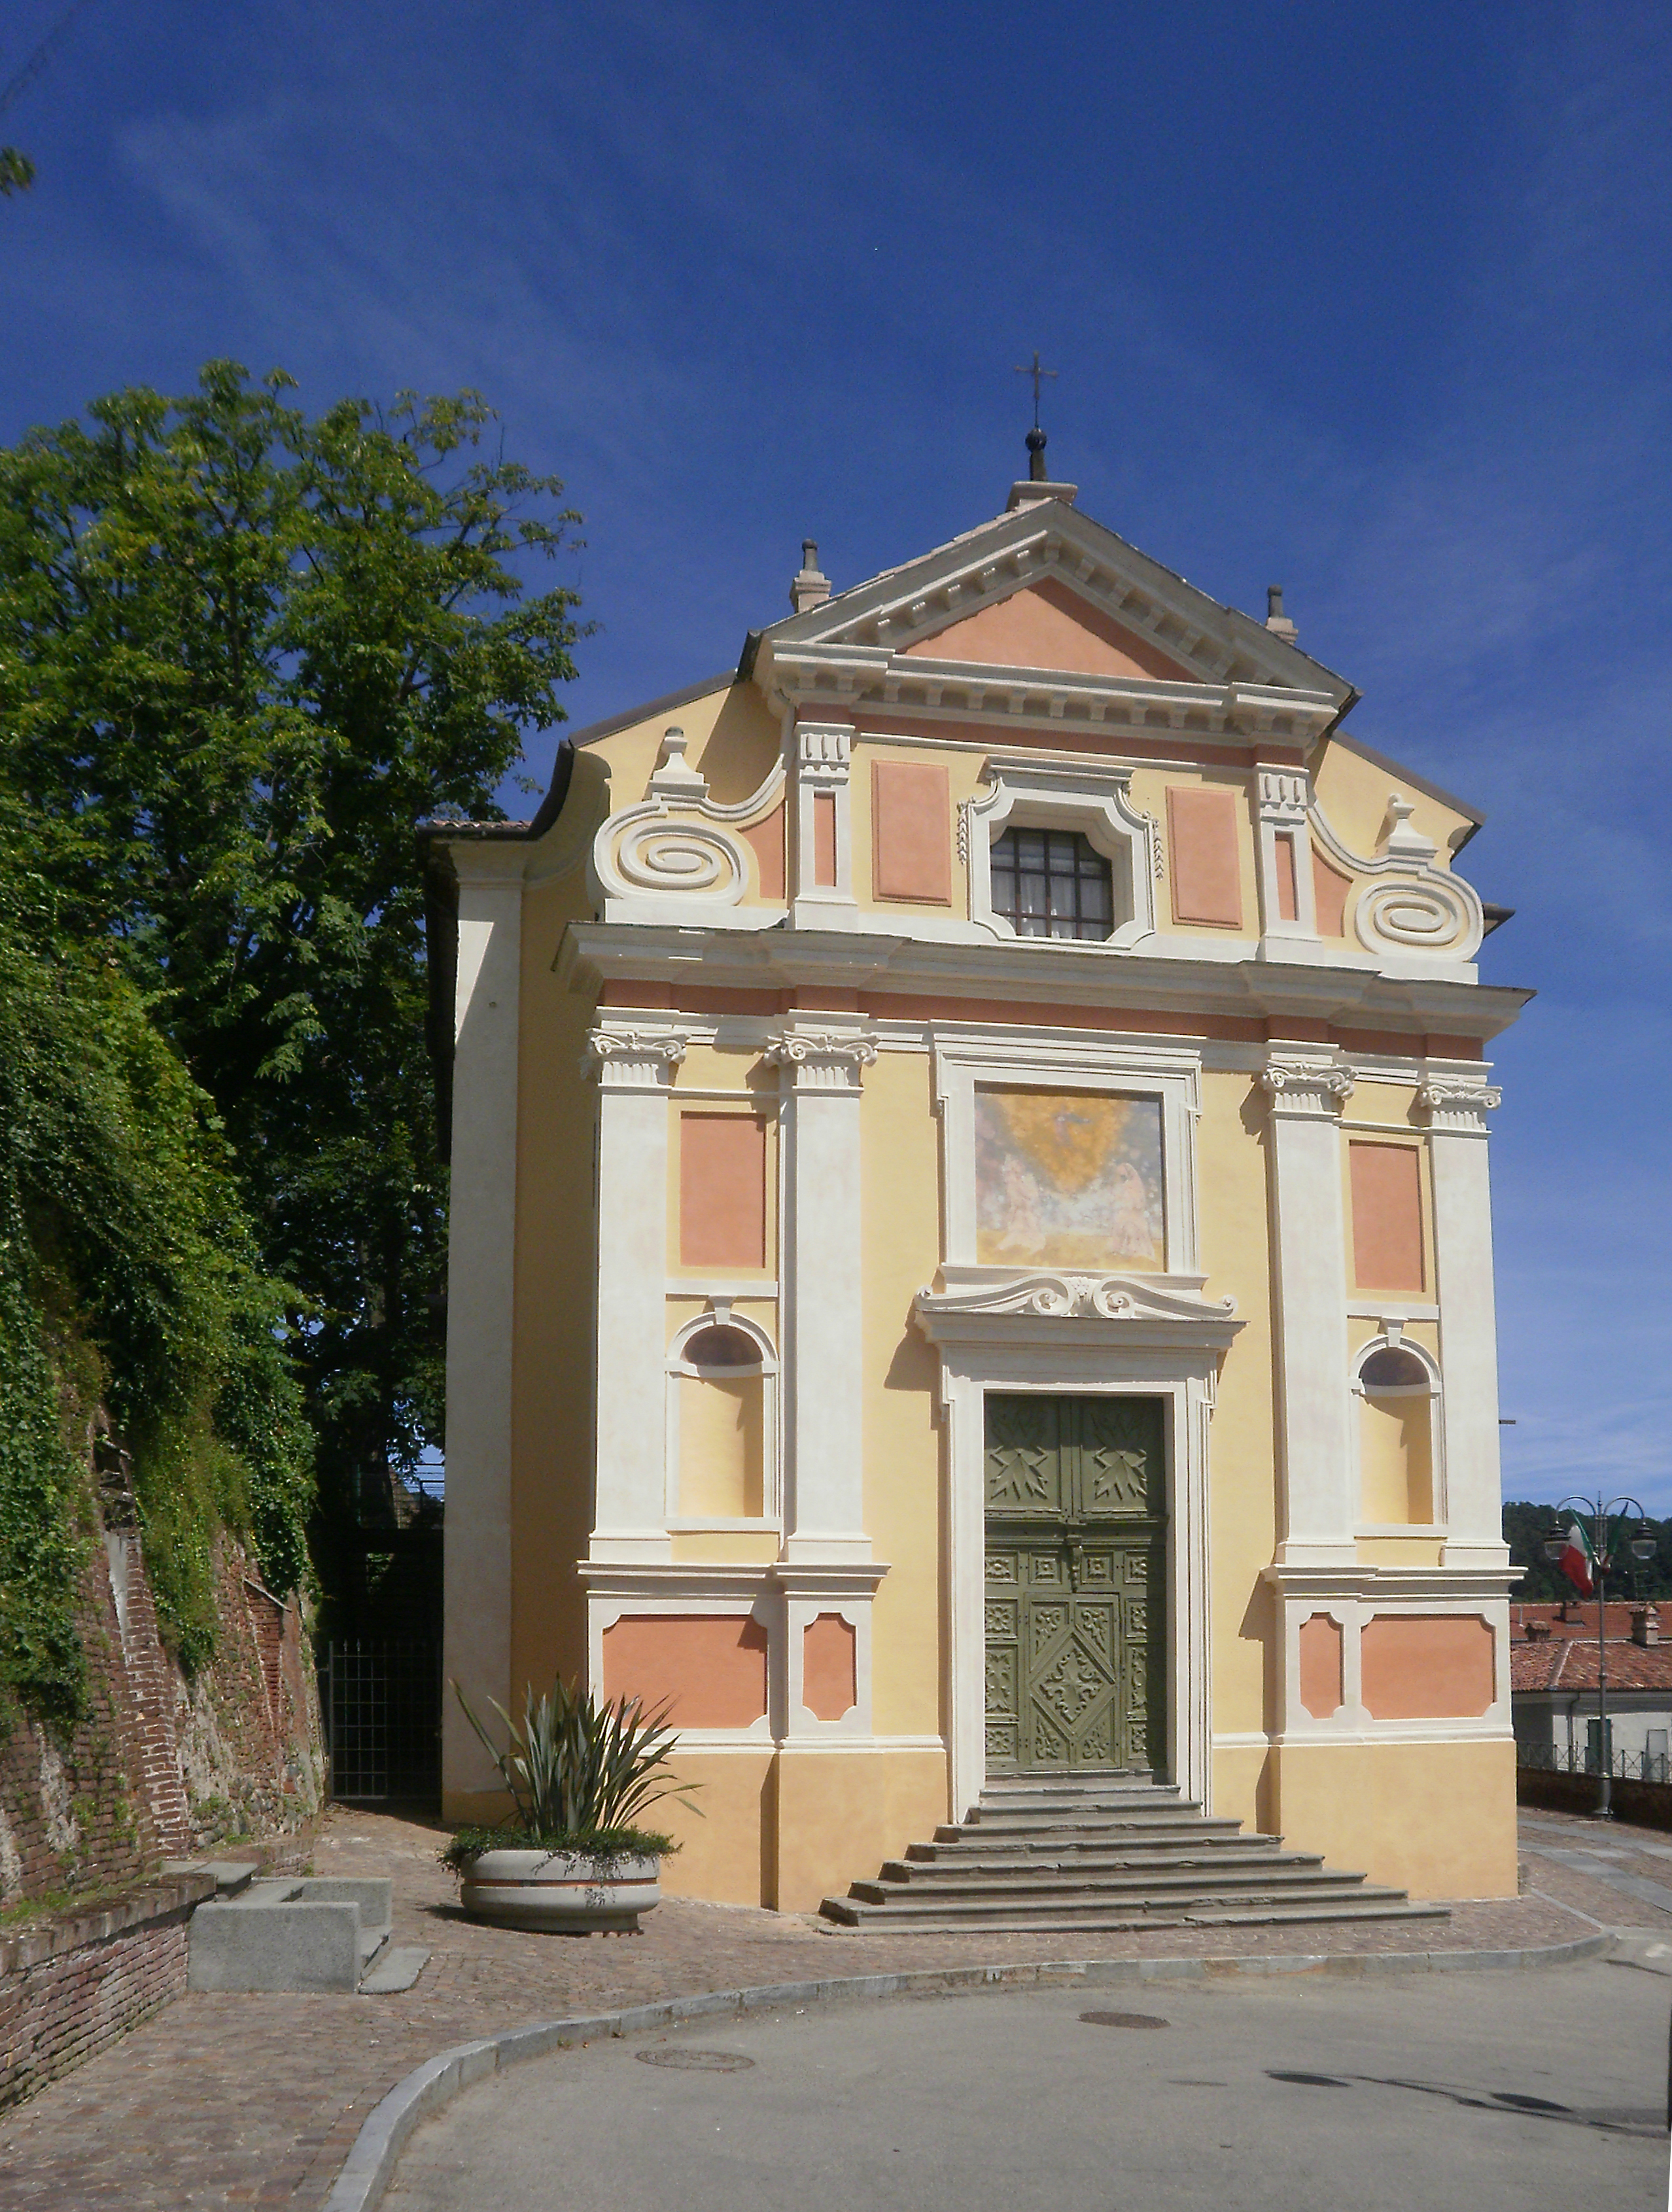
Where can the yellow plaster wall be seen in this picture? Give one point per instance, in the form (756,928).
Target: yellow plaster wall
(840,1814)
(901,1228)
(727,1850)
(1353,792)
(1243,1787)
(1236,1255)
(1436,1818)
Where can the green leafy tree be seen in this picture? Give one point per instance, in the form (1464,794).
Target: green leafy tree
(1525,1528)
(17,171)
(241,653)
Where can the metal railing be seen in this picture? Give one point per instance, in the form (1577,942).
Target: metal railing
(382,1706)
(1583,1758)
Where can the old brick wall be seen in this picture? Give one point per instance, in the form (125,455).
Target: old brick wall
(160,1766)
(69,1989)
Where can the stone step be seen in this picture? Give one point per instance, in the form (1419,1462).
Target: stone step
(1028,1835)
(1204,1882)
(1142,1847)
(881,1919)
(948,1866)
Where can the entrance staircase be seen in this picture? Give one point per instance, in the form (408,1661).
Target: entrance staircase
(1042,1854)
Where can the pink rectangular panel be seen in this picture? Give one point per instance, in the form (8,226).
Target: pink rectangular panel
(766,840)
(1329,891)
(1207,865)
(911,832)
(1428,1666)
(722,1190)
(1288,906)
(1386,1183)
(709,1669)
(1321,1666)
(824,840)
(828,1677)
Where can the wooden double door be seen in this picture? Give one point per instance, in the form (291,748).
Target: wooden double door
(1076,1583)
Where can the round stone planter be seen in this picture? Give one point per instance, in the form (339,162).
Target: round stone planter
(564,1893)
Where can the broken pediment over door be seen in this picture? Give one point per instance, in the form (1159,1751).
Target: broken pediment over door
(1048,624)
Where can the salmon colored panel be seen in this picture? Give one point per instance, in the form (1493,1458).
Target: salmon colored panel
(1329,891)
(911,832)
(824,840)
(1288,905)
(1426,1667)
(1207,870)
(828,1681)
(1386,1216)
(766,840)
(722,1190)
(1045,625)
(1320,1690)
(709,1669)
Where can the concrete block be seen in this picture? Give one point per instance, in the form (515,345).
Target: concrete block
(276,1943)
(374,1896)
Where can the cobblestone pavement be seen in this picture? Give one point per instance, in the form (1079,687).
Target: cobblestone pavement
(220,2101)
(1617,1874)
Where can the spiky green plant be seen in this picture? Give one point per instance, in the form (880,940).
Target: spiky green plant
(580,1770)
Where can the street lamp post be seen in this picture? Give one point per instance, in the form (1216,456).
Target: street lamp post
(1602,1517)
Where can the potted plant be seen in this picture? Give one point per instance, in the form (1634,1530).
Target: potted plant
(569,1856)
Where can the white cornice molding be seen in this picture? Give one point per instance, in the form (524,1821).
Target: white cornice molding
(988,564)
(1308,1090)
(855,678)
(633,1060)
(1403,1586)
(714,1582)
(1034,972)
(1045,1307)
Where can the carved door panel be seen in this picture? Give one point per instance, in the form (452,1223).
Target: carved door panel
(1075,1554)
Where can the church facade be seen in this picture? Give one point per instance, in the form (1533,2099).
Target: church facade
(971,1244)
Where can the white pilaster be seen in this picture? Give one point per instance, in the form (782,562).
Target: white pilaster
(480,1290)
(1472,1508)
(824,767)
(1309,1240)
(824,1501)
(1283,797)
(635,1070)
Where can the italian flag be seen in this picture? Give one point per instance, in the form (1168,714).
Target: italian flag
(1575,1561)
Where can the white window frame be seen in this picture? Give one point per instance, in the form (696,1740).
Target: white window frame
(1098,802)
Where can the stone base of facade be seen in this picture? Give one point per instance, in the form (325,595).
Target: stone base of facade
(783,1827)
(1438,1820)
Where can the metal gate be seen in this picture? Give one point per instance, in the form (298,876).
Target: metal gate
(382,1703)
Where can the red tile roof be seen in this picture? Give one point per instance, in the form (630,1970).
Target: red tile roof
(1568,1663)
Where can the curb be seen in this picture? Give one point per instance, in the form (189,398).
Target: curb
(369,2167)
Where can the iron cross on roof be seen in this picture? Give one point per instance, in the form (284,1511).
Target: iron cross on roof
(1038,375)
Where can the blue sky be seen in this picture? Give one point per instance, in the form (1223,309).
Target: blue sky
(1369,300)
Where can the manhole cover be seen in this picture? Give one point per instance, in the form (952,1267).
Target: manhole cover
(696,2062)
(1123,2020)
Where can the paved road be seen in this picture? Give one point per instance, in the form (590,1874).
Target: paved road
(1478,2090)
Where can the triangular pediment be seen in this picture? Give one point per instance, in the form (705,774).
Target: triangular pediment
(1050,625)
(1044,588)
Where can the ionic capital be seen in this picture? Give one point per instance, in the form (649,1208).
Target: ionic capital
(1313,1088)
(822,1059)
(633,1060)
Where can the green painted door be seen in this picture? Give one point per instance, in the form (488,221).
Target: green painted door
(1076,1587)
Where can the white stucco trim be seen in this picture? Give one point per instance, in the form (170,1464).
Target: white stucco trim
(1093,798)
(481,1298)
(1064,1060)
(1461,1184)
(1083,1353)
(719,1315)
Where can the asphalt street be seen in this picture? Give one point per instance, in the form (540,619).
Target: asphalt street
(1492,2091)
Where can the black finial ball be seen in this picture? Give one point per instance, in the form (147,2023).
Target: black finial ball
(1035,439)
